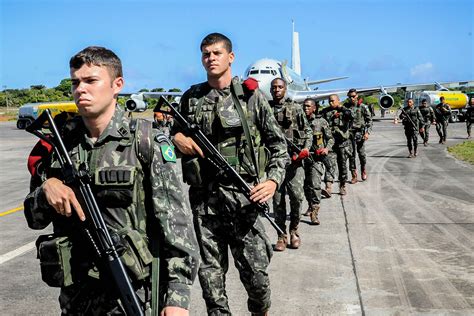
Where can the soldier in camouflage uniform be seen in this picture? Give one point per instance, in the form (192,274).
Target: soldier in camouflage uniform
(223,217)
(360,130)
(142,203)
(442,113)
(413,122)
(469,115)
(428,118)
(314,168)
(293,123)
(330,166)
(340,120)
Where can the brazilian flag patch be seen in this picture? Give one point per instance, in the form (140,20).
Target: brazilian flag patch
(168,153)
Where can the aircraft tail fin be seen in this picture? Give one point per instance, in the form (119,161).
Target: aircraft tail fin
(295,52)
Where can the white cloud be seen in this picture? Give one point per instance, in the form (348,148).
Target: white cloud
(422,70)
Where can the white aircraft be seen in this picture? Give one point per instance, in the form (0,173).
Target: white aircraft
(265,70)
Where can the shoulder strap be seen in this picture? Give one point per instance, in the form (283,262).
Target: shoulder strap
(142,129)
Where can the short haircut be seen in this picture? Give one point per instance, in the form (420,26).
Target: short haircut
(278,79)
(334,95)
(423,101)
(311,100)
(351,91)
(98,56)
(409,99)
(441,98)
(215,38)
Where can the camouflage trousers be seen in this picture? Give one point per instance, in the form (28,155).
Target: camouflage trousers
(293,185)
(442,129)
(330,166)
(92,297)
(312,181)
(426,133)
(468,127)
(358,146)
(412,139)
(342,155)
(223,219)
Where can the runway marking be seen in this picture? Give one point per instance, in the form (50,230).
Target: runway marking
(17,252)
(11,211)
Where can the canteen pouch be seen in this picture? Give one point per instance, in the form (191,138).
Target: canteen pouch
(54,254)
(191,171)
(136,256)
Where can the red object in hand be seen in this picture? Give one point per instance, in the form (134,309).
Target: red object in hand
(40,151)
(304,153)
(337,114)
(251,84)
(319,151)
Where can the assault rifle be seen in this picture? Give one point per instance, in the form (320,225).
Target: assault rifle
(98,236)
(408,118)
(296,149)
(212,155)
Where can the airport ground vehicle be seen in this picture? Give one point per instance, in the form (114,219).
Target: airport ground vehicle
(456,100)
(30,111)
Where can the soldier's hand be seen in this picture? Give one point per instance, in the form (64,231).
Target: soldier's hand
(422,130)
(366,136)
(174,311)
(324,151)
(187,145)
(263,192)
(61,197)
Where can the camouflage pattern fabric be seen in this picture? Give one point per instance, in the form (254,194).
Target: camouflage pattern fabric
(330,167)
(293,123)
(314,169)
(223,217)
(469,115)
(411,132)
(361,124)
(428,118)
(132,199)
(442,113)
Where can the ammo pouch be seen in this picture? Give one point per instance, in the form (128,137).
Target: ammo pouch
(191,171)
(136,255)
(54,254)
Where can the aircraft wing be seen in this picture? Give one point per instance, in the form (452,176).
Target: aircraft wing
(300,96)
(310,83)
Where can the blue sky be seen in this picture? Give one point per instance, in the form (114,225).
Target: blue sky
(372,42)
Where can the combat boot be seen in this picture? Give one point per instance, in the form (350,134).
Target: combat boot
(314,215)
(410,155)
(414,154)
(354,176)
(295,240)
(342,189)
(260,314)
(281,243)
(328,191)
(308,211)
(364,174)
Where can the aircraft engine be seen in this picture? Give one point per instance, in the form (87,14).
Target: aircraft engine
(385,101)
(135,103)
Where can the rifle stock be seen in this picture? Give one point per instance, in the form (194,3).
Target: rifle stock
(215,157)
(99,237)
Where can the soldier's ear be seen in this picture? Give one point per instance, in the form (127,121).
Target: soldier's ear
(231,58)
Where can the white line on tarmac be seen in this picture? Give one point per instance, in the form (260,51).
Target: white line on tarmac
(17,252)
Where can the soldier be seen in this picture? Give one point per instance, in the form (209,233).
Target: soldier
(293,123)
(469,115)
(223,217)
(322,142)
(443,113)
(360,130)
(163,121)
(429,118)
(412,121)
(340,120)
(103,138)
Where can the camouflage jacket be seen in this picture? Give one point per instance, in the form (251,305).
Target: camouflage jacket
(415,115)
(340,121)
(130,196)
(428,114)
(292,120)
(322,135)
(442,112)
(210,109)
(469,114)
(362,117)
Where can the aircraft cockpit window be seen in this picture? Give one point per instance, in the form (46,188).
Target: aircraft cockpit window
(265,71)
(254,72)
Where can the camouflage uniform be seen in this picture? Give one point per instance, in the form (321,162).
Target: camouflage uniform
(340,120)
(411,131)
(428,118)
(314,169)
(223,217)
(442,113)
(140,203)
(469,115)
(293,123)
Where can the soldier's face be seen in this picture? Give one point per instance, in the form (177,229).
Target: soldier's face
(353,98)
(216,59)
(278,90)
(410,103)
(423,103)
(334,102)
(308,108)
(94,90)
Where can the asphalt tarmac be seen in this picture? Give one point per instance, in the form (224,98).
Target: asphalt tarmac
(400,243)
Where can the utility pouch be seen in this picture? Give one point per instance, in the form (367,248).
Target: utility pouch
(191,171)
(54,254)
(136,256)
